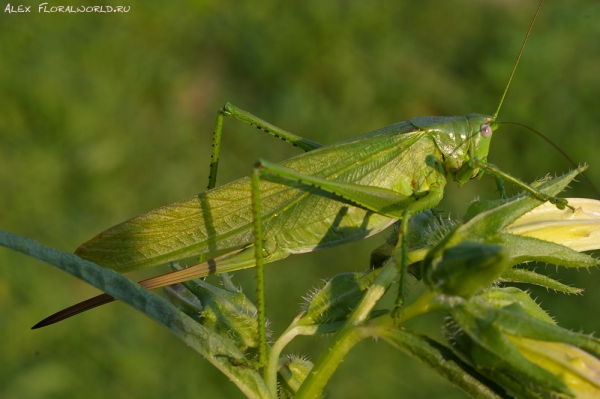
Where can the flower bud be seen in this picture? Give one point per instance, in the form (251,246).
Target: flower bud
(293,370)
(466,268)
(229,313)
(338,297)
(579,370)
(512,343)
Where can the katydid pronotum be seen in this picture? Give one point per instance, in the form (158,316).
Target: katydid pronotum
(328,196)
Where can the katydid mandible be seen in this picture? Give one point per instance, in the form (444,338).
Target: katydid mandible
(328,196)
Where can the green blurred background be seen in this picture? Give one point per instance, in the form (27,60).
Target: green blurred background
(104,116)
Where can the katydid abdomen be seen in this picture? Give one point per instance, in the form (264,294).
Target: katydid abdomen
(296,217)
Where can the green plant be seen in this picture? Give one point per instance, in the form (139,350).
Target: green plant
(501,342)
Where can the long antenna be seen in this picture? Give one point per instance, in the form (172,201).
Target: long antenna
(557,148)
(518,59)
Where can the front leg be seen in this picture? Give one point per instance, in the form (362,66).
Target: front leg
(427,202)
(560,203)
(380,200)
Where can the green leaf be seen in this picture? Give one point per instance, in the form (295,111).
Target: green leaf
(443,361)
(487,364)
(502,297)
(214,347)
(525,249)
(228,312)
(516,275)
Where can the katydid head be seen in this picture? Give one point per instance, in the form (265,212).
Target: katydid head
(481,128)
(459,139)
(477,143)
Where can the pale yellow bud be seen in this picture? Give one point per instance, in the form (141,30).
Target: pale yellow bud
(578,229)
(579,370)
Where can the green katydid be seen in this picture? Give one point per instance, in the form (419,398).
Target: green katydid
(328,196)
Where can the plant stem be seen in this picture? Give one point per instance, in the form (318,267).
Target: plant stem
(270,372)
(357,328)
(424,304)
(347,337)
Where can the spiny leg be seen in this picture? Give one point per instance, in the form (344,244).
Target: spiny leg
(403,283)
(560,203)
(232,111)
(381,254)
(260,270)
(380,200)
(468,168)
(500,186)
(429,201)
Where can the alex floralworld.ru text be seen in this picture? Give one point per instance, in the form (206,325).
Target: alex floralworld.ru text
(45,8)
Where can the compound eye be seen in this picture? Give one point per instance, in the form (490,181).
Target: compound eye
(486,130)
